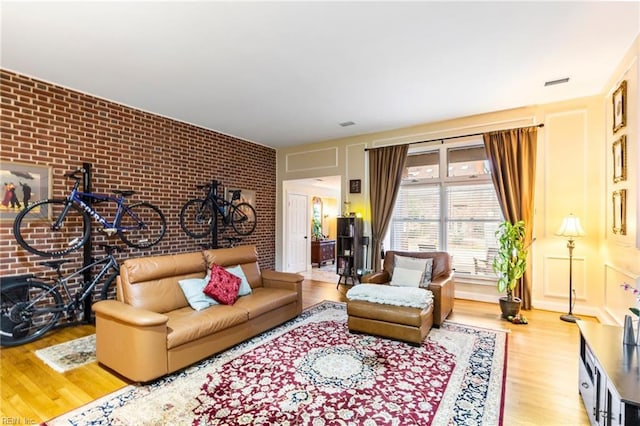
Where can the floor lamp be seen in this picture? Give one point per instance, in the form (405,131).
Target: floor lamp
(570,229)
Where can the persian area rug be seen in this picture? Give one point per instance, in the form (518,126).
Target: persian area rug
(69,355)
(312,371)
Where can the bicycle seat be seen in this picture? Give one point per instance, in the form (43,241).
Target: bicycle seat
(235,194)
(124,193)
(74,174)
(55,264)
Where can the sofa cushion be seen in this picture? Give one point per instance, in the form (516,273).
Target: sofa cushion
(263,300)
(193,289)
(186,325)
(223,285)
(152,282)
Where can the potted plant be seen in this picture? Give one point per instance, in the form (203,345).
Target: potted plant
(316,229)
(510,264)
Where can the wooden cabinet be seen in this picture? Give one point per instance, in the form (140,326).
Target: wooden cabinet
(608,375)
(323,251)
(349,254)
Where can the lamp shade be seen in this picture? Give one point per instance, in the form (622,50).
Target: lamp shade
(571,227)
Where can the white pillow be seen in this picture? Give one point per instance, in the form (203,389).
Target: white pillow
(245,287)
(425,265)
(403,277)
(410,262)
(193,292)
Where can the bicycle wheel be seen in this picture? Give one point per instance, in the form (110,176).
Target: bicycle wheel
(196,218)
(243,218)
(141,225)
(28,311)
(108,286)
(36,231)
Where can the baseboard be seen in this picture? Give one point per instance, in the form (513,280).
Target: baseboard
(467,295)
(562,308)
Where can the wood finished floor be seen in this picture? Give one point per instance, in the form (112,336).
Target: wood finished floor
(541,388)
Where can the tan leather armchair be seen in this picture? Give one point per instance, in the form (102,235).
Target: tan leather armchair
(442,279)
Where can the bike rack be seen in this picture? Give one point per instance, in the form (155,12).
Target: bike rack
(214,230)
(88,247)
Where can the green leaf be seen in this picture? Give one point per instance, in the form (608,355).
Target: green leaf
(635,311)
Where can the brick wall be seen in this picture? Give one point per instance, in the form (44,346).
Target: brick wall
(161,159)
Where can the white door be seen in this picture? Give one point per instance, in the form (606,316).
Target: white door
(297,227)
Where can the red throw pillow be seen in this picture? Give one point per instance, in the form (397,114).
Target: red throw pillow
(223,286)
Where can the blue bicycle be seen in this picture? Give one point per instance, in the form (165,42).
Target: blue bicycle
(55,227)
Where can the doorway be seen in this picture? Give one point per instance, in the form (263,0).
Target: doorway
(298,220)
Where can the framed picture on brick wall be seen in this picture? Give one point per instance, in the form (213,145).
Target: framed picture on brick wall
(23,184)
(246,196)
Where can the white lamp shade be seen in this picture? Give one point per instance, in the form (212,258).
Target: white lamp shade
(571,227)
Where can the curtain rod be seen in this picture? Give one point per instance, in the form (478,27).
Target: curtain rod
(462,136)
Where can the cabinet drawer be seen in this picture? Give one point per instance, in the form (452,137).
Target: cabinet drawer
(587,392)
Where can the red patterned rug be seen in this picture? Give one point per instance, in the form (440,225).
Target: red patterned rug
(312,371)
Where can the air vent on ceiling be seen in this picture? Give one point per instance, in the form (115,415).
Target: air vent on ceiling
(347,123)
(558,81)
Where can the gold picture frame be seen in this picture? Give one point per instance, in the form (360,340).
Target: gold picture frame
(619,100)
(620,212)
(619,149)
(246,196)
(22,184)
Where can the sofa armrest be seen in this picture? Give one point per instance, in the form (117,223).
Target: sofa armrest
(443,290)
(128,314)
(285,281)
(380,277)
(270,276)
(130,340)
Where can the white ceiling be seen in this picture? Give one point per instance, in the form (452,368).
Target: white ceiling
(287,73)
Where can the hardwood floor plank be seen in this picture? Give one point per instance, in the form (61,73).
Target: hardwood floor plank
(541,385)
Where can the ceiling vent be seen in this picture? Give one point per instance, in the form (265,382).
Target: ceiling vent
(558,81)
(347,123)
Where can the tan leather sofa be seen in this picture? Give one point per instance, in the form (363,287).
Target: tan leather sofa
(150,330)
(442,279)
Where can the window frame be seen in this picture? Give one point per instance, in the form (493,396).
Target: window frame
(444,181)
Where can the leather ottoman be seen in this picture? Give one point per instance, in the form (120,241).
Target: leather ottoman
(404,323)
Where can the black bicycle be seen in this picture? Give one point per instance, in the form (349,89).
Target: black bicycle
(29,309)
(198,216)
(55,227)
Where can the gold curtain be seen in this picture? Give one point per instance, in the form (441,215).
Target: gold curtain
(512,158)
(385,173)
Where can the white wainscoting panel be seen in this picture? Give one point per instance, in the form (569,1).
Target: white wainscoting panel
(617,301)
(556,277)
(325,158)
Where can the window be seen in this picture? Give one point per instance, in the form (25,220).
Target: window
(458,213)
